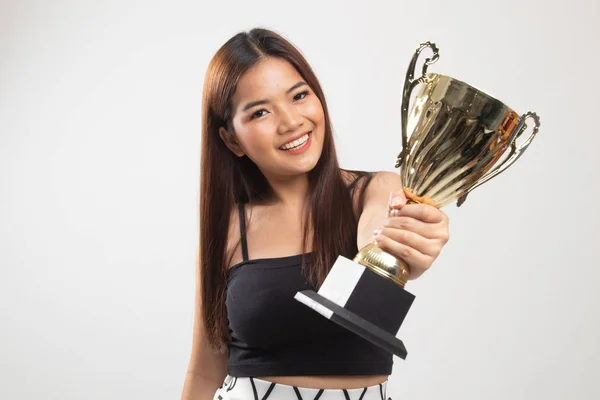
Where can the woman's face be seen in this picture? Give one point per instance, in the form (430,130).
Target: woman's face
(274,109)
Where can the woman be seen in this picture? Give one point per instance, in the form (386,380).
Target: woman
(276,210)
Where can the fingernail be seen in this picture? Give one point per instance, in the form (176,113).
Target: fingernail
(395,213)
(376,231)
(396,201)
(379,238)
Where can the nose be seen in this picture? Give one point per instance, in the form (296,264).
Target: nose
(289,119)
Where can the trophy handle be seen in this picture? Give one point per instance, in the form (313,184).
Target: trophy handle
(513,156)
(409,84)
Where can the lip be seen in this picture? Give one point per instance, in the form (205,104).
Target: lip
(294,138)
(304,148)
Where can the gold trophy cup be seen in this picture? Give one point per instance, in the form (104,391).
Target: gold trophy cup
(453,140)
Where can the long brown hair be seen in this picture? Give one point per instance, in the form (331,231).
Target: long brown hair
(226,179)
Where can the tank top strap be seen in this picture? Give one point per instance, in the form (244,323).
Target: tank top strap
(361,196)
(356,179)
(363,190)
(243,230)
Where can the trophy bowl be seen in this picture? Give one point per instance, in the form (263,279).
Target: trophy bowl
(453,140)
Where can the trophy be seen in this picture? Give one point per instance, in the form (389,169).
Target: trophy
(452,142)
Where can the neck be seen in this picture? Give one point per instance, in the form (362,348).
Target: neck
(290,191)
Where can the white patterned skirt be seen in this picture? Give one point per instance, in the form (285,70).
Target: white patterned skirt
(256,389)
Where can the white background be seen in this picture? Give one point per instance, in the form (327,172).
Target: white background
(99,168)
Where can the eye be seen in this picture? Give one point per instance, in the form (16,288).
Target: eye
(301,95)
(257,114)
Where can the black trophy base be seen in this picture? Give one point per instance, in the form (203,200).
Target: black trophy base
(353,322)
(362,301)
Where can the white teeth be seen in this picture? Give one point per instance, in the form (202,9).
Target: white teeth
(295,143)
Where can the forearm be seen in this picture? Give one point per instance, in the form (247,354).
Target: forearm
(199,387)
(365,230)
(376,204)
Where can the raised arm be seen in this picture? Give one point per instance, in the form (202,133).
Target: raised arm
(377,196)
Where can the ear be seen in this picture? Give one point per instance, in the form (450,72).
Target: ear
(231,142)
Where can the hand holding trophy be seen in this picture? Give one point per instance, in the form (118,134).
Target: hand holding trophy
(452,142)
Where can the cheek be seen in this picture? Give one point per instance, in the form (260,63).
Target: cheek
(317,116)
(315,111)
(258,145)
(251,135)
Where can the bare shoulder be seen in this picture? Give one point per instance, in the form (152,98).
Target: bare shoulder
(382,183)
(384,180)
(371,186)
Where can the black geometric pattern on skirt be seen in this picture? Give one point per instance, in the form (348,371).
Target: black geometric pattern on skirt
(233,382)
(230,386)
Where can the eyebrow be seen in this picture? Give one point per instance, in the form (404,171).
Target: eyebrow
(259,102)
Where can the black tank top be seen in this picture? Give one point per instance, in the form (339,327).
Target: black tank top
(275,335)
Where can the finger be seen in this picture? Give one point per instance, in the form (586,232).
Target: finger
(417,261)
(393,211)
(422,212)
(397,200)
(424,229)
(423,245)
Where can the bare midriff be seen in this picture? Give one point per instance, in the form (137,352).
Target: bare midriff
(328,382)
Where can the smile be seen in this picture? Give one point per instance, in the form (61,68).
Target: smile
(296,144)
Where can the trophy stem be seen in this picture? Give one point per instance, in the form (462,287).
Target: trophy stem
(383,263)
